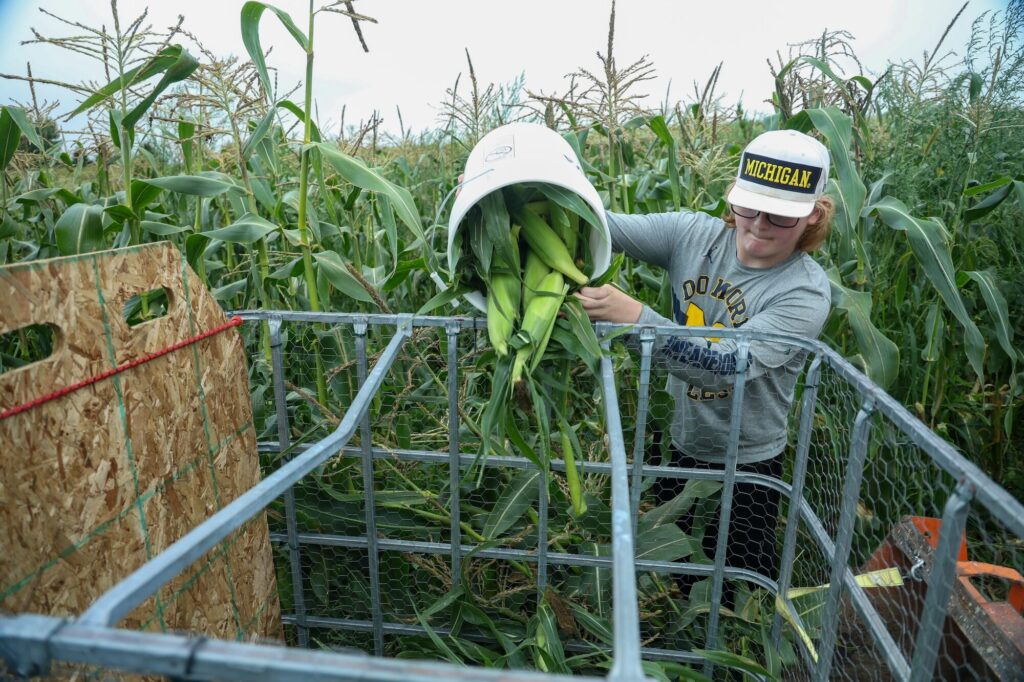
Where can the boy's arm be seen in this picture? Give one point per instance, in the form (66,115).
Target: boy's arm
(655,237)
(712,365)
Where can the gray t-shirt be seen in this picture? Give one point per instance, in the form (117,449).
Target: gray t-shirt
(710,287)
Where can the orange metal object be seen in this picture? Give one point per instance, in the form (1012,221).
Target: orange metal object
(969,569)
(978,634)
(929,527)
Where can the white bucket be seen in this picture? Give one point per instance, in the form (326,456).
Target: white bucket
(526,152)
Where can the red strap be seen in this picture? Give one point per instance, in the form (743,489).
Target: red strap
(24,407)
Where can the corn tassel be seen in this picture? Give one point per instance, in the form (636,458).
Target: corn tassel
(548,246)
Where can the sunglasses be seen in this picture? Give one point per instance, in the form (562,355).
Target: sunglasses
(776,220)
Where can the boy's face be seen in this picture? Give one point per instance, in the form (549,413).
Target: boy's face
(760,244)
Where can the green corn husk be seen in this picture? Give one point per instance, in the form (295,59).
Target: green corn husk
(538,319)
(502,310)
(543,240)
(534,272)
(563,226)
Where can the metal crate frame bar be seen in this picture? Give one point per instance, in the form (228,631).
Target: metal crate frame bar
(30,642)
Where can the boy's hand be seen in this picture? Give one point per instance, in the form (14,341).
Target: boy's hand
(609,304)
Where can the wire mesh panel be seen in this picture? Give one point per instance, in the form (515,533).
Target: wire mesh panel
(393,590)
(799,524)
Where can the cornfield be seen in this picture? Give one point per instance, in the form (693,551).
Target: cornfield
(926,260)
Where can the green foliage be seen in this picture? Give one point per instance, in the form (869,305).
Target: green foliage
(926,261)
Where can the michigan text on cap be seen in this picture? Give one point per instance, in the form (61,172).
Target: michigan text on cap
(789,176)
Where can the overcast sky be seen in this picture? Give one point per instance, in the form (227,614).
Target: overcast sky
(418,47)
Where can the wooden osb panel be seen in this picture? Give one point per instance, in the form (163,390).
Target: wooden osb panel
(98,481)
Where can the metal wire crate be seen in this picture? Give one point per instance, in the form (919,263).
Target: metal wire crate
(350,552)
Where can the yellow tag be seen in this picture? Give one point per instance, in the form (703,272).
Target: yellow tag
(886,577)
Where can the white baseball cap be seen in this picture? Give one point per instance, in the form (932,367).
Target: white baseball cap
(782,172)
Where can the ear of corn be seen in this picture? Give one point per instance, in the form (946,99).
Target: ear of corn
(561,224)
(548,245)
(504,292)
(527,281)
(502,310)
(538,351)
(534,271)
(572,476)
(538,318)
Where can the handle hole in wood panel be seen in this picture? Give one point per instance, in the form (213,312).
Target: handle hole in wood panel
(146,306)
(29,344)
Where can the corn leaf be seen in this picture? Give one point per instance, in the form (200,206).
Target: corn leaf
(318,581)
(881,356)
(475,653)
(10,136)
(20,119)
(843,85)
(258,133)
(552,650)
(143,194)
(660,128)
(246,230)
(314,132)
(387,219)
(677,506)
(595,625)
(664,543)
(598,578)
(79,229)
(929,246)
(935,332)
(444,602)
(195,248)
(441,298)
(120,213)
(516,498)
(513,657)
(359,174)
(333,267)
(437,641)
(207,184)
(846,188)
(13,124)
(186,135)
(158,63)
(174,62)
(114,122)
(250,19)
(736,661)
(566,199)
(997,309)
(988,186)
(991,202)
(672,672)
(229,291)
(524,448)
(587,348)
(162,229)
(43,193)
(293,268)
